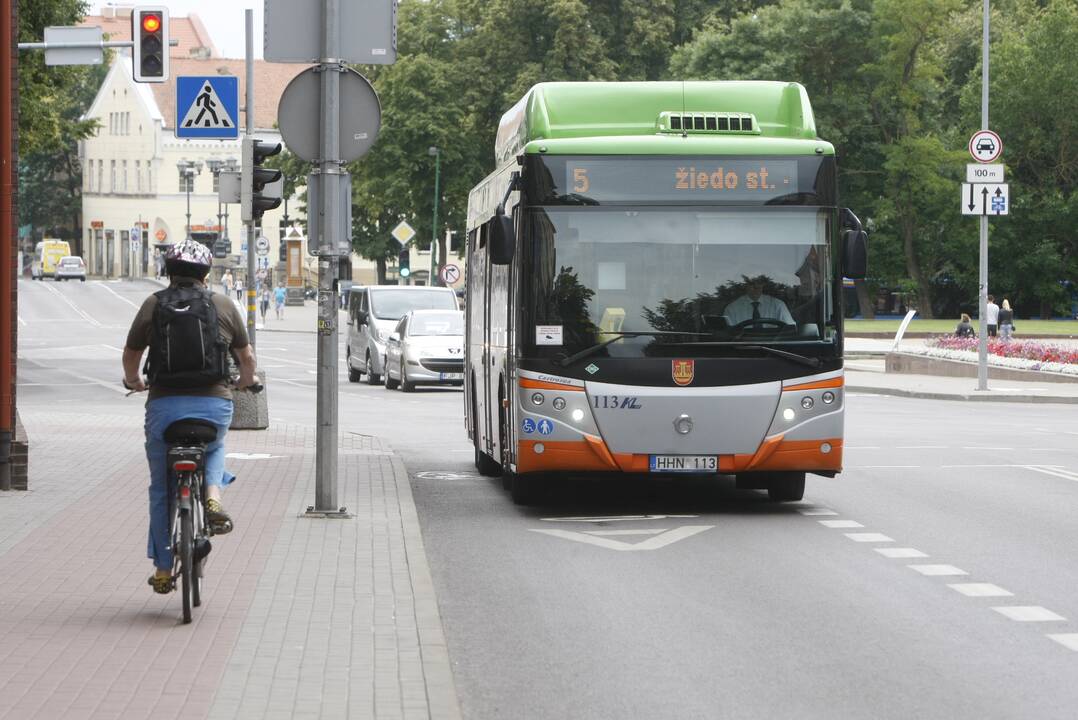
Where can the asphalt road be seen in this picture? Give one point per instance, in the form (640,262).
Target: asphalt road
(935,577)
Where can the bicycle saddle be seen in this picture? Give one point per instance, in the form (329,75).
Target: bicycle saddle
(191,430)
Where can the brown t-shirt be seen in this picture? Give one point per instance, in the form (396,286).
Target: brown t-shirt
(231,329)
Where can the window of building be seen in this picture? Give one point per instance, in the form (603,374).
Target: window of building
(112,176)
(187,182)
(100,173)
(138,176)
(216,181)
(123,177)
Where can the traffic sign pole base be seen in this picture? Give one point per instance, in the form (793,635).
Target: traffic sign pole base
(338,514)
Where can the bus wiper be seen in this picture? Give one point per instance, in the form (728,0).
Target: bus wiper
(576,199)
(803,360)
(810,361)
(567,361)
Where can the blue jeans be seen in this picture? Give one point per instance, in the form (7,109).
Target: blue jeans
(161,413)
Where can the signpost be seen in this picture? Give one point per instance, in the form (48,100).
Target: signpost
(329,115)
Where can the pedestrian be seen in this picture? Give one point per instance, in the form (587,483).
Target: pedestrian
(239,289)
(991,316)
(278,297)
(1006,320)
(226,282)
(965,327)
(159,264)
(264,301)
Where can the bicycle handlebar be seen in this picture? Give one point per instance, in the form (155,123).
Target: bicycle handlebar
(252,388)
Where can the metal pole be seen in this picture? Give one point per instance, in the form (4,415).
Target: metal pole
(432,278)
(326,500)
(249,18)
(8,249)
(187,187)
(982,343)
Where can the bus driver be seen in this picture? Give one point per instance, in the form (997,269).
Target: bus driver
(755,305)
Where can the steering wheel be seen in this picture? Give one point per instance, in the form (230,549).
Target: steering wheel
(742,327)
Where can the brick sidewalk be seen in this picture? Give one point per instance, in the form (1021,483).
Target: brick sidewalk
(301,618)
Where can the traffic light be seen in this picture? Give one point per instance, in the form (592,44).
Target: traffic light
(261,188)
(403,262)
(149,31)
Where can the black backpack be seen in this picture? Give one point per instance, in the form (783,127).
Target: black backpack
(186,350)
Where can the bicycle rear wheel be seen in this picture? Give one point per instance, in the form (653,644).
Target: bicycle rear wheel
(187,542)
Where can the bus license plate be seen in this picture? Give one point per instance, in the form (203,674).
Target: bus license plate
(684,463)
(450,376)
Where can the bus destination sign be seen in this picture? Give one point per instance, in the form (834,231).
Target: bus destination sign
(681,179)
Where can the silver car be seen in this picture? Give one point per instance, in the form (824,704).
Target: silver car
(70,268)
(426,348)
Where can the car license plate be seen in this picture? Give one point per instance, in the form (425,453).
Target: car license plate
(684,463)
(450,376)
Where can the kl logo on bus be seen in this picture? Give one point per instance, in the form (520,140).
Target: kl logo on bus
(682,371)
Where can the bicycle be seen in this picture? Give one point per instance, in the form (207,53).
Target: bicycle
(190,534)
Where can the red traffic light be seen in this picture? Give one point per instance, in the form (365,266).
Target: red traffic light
(151,23)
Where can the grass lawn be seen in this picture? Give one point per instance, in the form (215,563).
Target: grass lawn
(1022,327)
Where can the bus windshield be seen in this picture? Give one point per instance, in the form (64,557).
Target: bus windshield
(688,280)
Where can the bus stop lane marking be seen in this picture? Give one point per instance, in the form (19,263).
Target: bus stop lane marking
(661,540)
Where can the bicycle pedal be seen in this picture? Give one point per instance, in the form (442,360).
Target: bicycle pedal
(221,527)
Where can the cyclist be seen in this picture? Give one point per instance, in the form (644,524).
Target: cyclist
(187,263)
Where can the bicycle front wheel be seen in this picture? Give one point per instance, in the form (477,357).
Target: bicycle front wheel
(187,574)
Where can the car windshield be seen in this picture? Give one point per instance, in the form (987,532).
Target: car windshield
(685,279)
(447,323)
(393,304)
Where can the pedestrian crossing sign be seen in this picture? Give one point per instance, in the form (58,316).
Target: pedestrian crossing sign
(207,107)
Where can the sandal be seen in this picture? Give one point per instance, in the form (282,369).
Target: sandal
(161,585)
(219,521)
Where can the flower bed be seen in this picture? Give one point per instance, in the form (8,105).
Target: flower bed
(1022,354)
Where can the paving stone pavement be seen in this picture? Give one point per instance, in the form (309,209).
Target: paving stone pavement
(301,618)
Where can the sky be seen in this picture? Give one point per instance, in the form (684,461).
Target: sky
(222,18)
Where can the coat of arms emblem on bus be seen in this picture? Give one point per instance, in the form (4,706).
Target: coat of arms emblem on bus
(682,371)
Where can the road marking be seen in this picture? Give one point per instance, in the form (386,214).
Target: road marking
(884,467)
(21,321)
(1028,613)
(1054,471)
(978,447)
(921,447)
(446,475)
(937,570)
(638,531)
(893,552)
(615,518)
(863,447)
(840,523)
(869,537)
(73,306)
(817,511)
(1067,640)
(667,537)
(101,284)
(980,590)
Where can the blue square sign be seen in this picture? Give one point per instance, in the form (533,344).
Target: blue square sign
(207,107)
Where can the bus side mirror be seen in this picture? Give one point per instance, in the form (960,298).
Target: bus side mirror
(503,239)
(855,254)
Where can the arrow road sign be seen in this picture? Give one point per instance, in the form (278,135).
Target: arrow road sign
(986,199)
(207,107)
(450,274)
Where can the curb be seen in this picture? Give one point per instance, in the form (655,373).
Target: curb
(929,395)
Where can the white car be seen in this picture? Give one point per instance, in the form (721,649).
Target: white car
(426,348)
(70,268)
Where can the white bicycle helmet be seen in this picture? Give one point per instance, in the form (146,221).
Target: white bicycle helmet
(191,252)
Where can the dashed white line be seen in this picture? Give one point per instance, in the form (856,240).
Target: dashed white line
(884,467)
(840,523)
(869,537)
(1054,471)
(937,570)
(895,552)
(1067,640)
(921,447)
(98,283)
(1028,613)
(809,511)
(980,590)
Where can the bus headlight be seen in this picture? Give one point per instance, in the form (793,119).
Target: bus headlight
(828,397)
(578,415)
(788,414)
(537,398)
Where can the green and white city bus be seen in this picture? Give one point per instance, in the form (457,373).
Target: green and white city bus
(655,285)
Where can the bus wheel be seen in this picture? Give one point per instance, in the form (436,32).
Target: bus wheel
(522,488)
(483,463)
(786,486)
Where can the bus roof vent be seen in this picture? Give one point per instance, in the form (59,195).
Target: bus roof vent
(709,123)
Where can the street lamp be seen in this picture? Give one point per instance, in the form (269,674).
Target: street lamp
(188,170)
(436,154)
(215,167)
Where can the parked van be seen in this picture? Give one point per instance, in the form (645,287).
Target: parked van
(47,255)
(373,313)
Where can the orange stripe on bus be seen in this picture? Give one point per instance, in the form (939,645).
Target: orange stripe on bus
(544,385)
(818,385)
